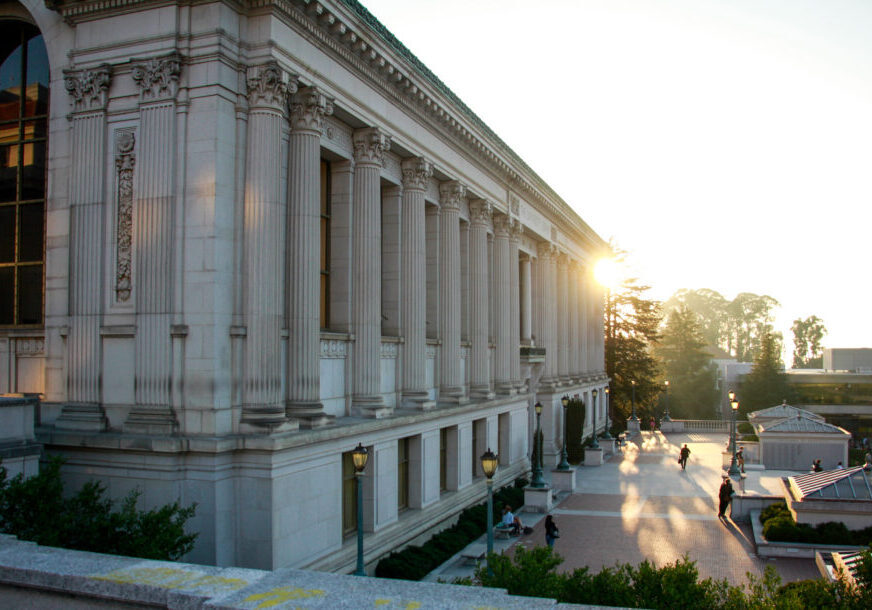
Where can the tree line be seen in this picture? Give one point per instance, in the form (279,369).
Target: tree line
(648,342)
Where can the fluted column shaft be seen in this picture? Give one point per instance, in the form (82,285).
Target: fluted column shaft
(451,194)
(308,107)
(583,320)
(263,242)
(515,232)
(526,299)
(370,144)
(413,300)
(574,329)
(562,317)
(480,212)
(547,255)
(503,292)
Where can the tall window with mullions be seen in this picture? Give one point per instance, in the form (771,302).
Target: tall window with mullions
(24,90)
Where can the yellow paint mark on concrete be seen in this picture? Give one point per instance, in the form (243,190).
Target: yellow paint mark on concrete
(274,597)
(173,578)
(402,606)
(382,602)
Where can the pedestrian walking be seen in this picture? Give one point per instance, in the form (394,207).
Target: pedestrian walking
(740,458)
(683,455)
(551,531)
(725,496)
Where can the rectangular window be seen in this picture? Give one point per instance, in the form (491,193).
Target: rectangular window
(403,473)
(349,496)
(325,244)
(443,459)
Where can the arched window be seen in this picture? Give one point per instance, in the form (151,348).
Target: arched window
(24,88)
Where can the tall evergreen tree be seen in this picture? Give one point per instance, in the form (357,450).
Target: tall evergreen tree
(692,377)
(631,327)
(766,385)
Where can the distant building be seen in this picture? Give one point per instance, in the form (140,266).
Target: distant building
(854,360)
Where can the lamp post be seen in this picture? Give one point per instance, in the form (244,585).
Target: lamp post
(607,434)
(358,458)
(594,443)
(564,463)
(538,482)
(633,385)
(734,406)
(666,413)
(489,463)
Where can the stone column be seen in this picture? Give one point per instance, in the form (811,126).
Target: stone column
(263,404)
(154,208)
(563,318)
(526,288)
(599,337)
(451,387)
(89,92)
(307,110)
(370,144)
(583,316)
(416,174)
(547,256)
(502,307)
(480,212)
(515,231)
(572,274)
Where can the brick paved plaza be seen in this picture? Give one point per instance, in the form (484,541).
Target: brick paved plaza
(640,505)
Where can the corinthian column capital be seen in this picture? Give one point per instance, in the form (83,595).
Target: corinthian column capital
(370,146)
(158,78)
(417,171)
(546,250)
(307,108)
(480,211)
(89,89)
(450,194)
(268,85)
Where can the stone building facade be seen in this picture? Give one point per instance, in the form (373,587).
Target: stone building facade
(249,235)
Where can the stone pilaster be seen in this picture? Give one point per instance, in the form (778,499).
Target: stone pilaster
(526,312)
(515,232)
(547,257)
(89,95)
(480,213)
(583,317)
(154,209)
(451,386)
(369,147)
(416,174)
(502,307)
(563,318)
(263,404)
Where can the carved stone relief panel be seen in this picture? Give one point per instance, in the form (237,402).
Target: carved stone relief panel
(125,160)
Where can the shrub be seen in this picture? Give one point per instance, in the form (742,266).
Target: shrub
(34,509)
(744,428)
(779,526)
(773,510)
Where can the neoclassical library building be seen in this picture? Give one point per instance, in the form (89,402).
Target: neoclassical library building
(240,237)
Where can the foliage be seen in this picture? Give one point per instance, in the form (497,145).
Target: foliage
(693,390)
(766,385)
(807,337)
(575,414)
(415,562)
(35,509)
(744,428)
(631,328)
(533,573)
(779,526)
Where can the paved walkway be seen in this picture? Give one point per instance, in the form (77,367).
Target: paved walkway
(641,505)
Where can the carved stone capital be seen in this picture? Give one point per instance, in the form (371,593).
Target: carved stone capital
(89,89)
(480,211)
(158,78)
(450,194)
(516,229)
(370,146)
(417,172)
(307,108)
(546,250)
(269,86)
(502,225)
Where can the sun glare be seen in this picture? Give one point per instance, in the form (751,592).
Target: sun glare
(608,273)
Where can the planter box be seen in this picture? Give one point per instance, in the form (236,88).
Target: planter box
(593,457)
(799,550)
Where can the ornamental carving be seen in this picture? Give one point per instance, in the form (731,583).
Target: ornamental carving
(158,78)
(269,85)
(546,250)
(480,211)
(450,195)
(516,230)
(29,346)
(417,172)
(307,109)
(125,159)
(389,351)
(334,348)
(89,89)
(554,234)
(514,205)
(370,146)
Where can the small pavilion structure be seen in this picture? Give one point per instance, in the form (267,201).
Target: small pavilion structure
(832,495)
(792,439)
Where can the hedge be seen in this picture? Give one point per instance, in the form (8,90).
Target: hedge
(415,562)
(779,526)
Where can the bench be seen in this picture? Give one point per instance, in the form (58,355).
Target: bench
(503,531)
(474,553)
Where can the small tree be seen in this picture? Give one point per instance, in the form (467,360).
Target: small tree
(766,385)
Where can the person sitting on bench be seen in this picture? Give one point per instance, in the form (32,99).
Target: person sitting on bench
(511,520)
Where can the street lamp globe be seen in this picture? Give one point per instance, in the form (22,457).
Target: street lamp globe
(489,463)
(359,457)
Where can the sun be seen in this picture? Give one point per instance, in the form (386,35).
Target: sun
(608,273)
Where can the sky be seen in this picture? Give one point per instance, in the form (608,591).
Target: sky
(725,144)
